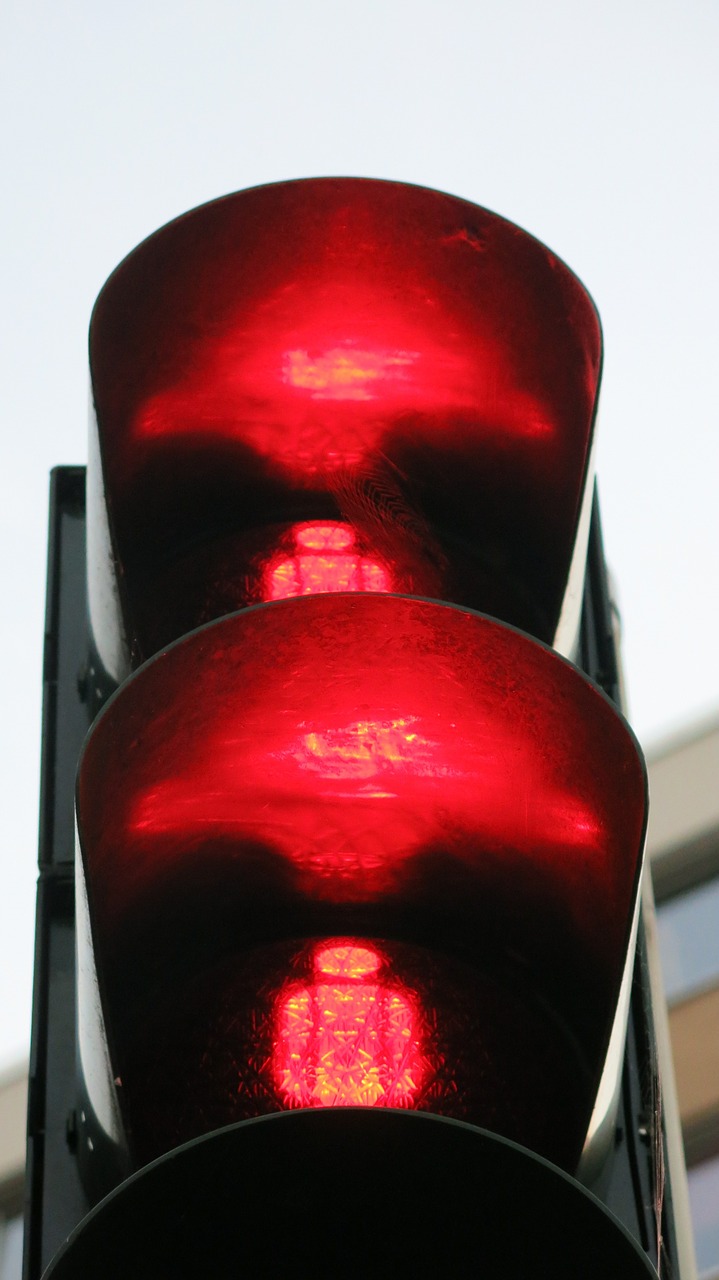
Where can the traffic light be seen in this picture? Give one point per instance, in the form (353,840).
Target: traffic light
(359,847)
(338,384)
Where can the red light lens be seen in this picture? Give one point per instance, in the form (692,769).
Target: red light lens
(268,1029)
(325,558)
(346,1038)
(341,351)
(456,785)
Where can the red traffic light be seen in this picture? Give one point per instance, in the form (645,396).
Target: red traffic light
(380,360)
(404,879)
(346,1033)
(357,870)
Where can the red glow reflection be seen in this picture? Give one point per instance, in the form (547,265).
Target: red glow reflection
(348,1038)
(350,774)
(326,559)
(346,373)
(362,365)
(361,747)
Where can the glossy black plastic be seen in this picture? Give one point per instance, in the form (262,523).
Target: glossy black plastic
(346,1195)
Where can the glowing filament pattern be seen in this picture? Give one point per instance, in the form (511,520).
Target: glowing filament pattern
(348,1038)
(326,558)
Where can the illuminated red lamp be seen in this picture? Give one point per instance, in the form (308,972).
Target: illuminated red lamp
(320,557)
(347,1037)
(458,813)
(385,360)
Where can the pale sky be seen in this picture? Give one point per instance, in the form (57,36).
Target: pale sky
(593,125)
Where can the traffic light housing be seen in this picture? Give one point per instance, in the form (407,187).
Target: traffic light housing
(413,784)
(348,846)
(396,362)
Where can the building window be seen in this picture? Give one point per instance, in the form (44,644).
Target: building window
(704,1199)
(11,1233)
(689,941)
